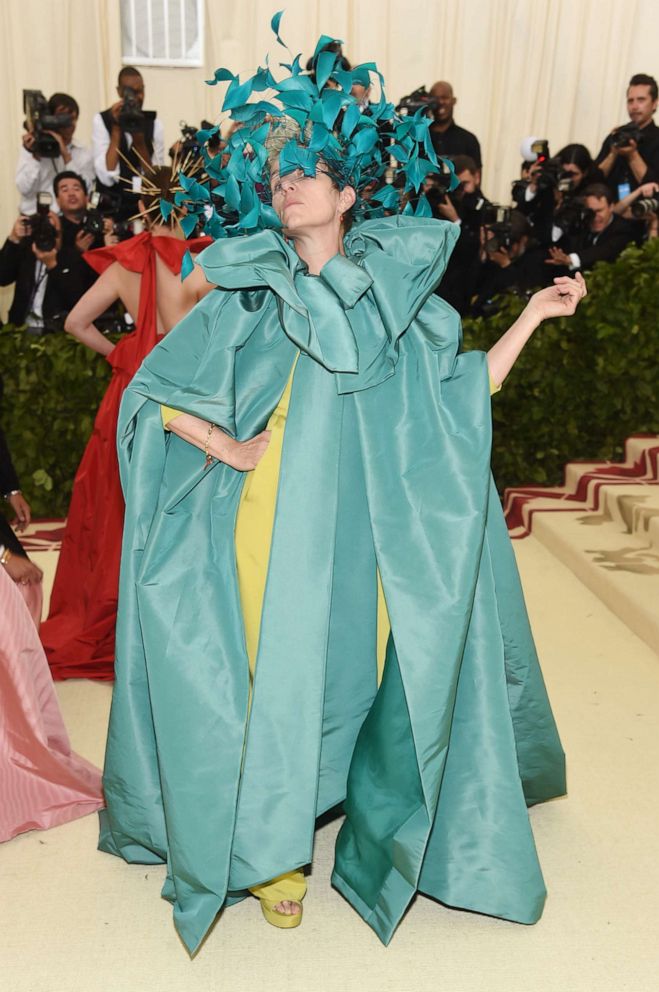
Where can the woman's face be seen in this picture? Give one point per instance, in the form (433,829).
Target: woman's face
(576,176)
(304,203)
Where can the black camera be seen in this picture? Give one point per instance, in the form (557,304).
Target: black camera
(40,231)
(92,221)
(646,206)
(573,217)
(131,117)
(190,144)
(623,135)
(38,120)
(415,101)
(497,224)
(108,204)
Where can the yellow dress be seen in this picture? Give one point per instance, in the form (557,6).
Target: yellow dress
(253,535)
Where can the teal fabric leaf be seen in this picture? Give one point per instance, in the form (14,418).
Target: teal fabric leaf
(270,217)
(188,224)
(388,196)
(221,76)
(250,111)
(232,193)
(166,208)
(187,265)
(324,66)
(350,120)
(322,43)
(344,79)
(250,208)
(297,99)
(320,137)
(423,208)
(237,93)
(204,135)
(274,24)
(331,102)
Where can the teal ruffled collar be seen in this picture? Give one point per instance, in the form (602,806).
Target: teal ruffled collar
(351,317)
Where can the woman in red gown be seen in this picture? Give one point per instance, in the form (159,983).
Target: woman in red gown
(144,272)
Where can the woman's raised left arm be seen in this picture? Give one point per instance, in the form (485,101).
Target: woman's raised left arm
(559,300)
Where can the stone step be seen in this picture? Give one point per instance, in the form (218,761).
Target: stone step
(619,563)
(584,482)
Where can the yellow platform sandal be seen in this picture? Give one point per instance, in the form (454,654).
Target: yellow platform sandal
(290,887)
(285,921)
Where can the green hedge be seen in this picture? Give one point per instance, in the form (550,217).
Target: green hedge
(584,383)
(52,388)
(581,386)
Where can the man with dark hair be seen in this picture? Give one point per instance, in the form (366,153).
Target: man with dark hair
(463,207)
(607,234)
(50,282)
(629,156)
(448,139)
(126,140)
(35,174)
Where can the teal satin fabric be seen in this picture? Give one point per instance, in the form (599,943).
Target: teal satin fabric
(385,465)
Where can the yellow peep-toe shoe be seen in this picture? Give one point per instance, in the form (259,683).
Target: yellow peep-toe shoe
(285,921)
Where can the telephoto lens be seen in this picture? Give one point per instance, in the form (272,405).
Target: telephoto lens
(646,206)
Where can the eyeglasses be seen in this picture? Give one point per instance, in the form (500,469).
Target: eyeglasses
(290,179)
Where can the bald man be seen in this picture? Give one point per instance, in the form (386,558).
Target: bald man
(447,138)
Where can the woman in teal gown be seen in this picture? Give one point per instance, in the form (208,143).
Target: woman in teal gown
(384,472)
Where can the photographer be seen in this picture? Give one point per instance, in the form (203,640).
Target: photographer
(43,256)
(642,205)
(448,139)
(603,238)
(629,156)
(510,261)
(463,206)
(36,170)
(125,140)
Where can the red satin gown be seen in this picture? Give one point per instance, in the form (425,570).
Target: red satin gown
(78,635)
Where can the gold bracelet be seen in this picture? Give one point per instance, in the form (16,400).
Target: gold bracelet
(6,555)
(209,457)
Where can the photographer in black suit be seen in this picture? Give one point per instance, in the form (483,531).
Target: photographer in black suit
(604,239)
(123,134)
(630,154)
(43,256)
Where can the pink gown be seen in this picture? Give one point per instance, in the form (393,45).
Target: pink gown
(43,783)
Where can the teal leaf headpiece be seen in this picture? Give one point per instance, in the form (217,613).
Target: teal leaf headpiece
(306,121)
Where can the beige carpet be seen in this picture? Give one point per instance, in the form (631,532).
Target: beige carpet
(74,919)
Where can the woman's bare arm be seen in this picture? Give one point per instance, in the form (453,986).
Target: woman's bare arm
(241,455)
(80,322)
(559,300)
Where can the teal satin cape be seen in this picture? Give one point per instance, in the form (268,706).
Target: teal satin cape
(385,465)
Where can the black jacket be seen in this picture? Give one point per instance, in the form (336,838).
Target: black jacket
(604,247)
(65,284)
(456,140)
(526,273)
(126,203)
(621,172)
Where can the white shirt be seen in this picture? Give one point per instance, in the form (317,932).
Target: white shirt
(35,314)
(101,143)
(36,176)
